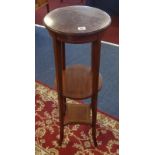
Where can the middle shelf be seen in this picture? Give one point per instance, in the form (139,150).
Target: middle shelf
(77,82)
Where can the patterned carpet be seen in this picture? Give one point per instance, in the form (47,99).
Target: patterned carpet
(77,138)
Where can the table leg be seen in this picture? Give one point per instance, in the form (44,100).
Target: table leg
(94,115)
(95,63)
(58,66)
(63,57)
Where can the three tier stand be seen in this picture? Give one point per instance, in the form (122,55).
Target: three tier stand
(77,24)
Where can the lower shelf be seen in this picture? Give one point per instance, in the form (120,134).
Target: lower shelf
(77,113)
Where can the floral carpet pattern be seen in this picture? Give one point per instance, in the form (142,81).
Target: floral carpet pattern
(77,138)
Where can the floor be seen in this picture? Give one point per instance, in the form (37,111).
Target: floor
(111,34)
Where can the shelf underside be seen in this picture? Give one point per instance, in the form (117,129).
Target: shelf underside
(77,82)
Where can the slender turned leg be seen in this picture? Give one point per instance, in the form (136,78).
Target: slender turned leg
(63,68)
(63,55)
(96,45)
(58,67)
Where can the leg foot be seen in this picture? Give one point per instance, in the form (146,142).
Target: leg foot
(61,135)
(94,137)
(60,142)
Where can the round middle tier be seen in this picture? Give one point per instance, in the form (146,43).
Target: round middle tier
(77,82)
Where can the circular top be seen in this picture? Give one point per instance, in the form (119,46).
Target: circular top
(77,20)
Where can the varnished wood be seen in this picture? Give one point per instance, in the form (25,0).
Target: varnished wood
(95,63)
(63,62)
(58,67)
(69,20)
(63,55)
(78,81)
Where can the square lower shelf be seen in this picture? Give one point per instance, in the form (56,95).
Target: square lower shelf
(77,113)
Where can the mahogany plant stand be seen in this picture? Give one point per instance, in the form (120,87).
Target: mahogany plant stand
(77,24)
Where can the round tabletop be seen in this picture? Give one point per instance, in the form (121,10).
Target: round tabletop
(77,20)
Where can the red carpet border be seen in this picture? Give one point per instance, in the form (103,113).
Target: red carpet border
(77,138)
